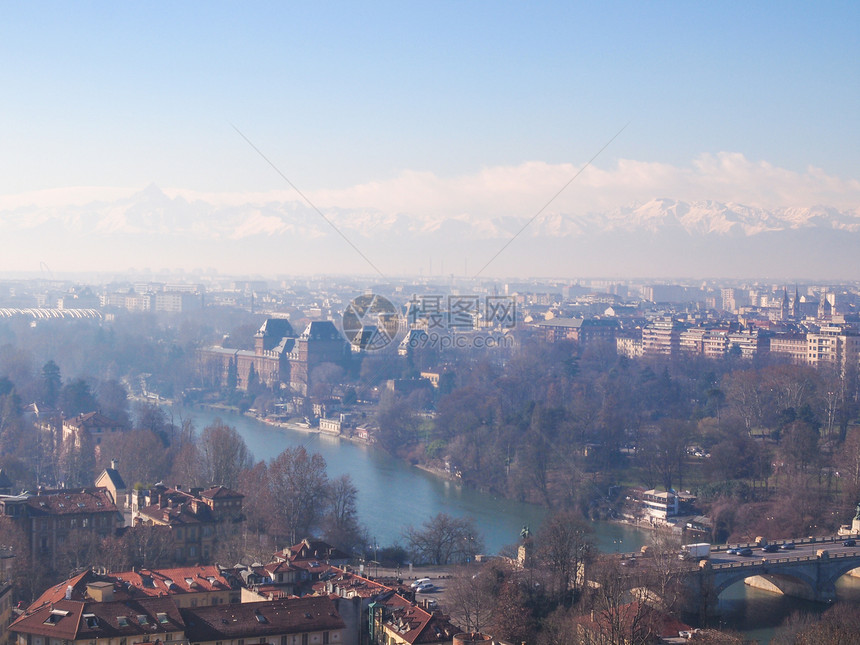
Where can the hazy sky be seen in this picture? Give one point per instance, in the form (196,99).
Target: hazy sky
(369,103)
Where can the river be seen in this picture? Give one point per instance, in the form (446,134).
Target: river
(394,494)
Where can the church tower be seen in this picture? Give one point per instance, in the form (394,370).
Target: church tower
(825,311)
(795,306)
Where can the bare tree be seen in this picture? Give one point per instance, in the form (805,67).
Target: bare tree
(444,539)
(665,569)
(224,454)
(150,546)
(619,613)
(341,526)
(471,597)
(127,447)
(564,545)
(299,486)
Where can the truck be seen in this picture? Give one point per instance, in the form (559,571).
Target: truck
(698,551)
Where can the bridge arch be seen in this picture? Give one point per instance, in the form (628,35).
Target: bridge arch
(794,582)
(836,571)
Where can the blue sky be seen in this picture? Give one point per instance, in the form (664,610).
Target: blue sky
(342,93)
(400,116)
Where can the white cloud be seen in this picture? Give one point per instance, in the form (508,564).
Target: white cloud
(521,191)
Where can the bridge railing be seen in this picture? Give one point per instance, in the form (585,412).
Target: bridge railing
(762,562)
(770,561)
(828,539)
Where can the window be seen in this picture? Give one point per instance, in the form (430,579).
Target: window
(85,522)
(122,621)
(55,616)
(304,639)
(325,638)
(162,617)
(142,619)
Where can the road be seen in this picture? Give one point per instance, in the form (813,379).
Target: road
(801,550)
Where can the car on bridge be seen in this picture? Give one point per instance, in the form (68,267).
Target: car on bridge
(850,542)
(788,546)
(770,548)
(746,552)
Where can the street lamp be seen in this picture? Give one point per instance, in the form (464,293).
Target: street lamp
(469,539)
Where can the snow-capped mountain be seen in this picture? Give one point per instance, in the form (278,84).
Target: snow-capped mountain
(661,236)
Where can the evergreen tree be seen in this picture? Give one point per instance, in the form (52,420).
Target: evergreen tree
(51,383)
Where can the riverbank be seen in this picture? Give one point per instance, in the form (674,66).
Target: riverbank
(309,429)
(439,472)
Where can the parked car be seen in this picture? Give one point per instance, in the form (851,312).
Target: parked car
(770,548)
(746,551)
(419,582)
(851,542)
(425,587)
(788,546)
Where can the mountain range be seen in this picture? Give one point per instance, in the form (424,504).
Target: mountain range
(661,237)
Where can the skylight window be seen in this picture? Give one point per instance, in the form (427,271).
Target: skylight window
(122,621)
(142,619)
(55,616)
(162,617)
(91,620)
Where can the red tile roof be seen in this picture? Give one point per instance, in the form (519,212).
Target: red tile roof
(260,619)
(74,619)
(177,580)
(220,492)
(643,617)
(92,420)
(69,502)
(415,625)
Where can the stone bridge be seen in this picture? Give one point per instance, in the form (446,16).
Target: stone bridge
(811,574)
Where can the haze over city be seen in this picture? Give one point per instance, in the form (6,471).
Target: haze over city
(429,136)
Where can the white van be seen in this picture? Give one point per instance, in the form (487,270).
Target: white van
(419,582)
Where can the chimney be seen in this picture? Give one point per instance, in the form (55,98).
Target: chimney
(114,463)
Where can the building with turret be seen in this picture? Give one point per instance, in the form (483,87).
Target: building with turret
(280,358)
